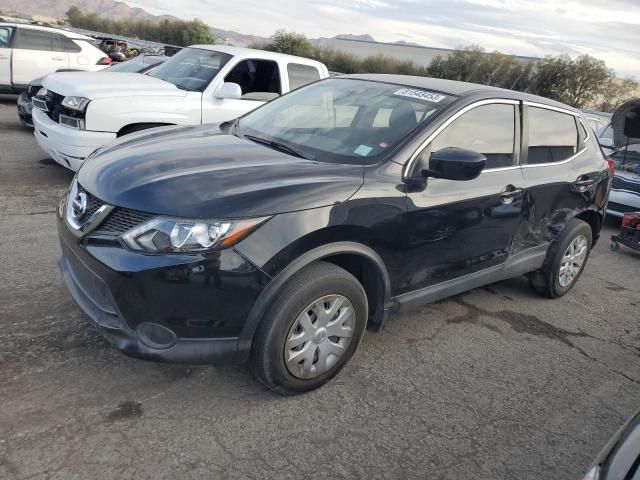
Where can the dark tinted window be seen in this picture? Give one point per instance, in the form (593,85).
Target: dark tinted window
(300,75)
(29,39)
(5,37)
(64,44)
(256,76)
(553,136)
(488,129)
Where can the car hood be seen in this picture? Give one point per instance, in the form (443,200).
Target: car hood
(94,85)
(202,172)
(626,124)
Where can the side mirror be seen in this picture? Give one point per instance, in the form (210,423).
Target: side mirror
(455,164)
(229,90)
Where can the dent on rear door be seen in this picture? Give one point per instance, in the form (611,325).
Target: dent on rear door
(554,192)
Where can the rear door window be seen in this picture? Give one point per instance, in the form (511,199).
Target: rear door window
(553,136)
(487,129)
(29,39)
(300,75)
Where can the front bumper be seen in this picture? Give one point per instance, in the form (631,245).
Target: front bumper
(25,106)
(67,146)
(168,308)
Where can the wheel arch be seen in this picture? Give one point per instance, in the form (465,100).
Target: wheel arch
(358,259)
(594,219)
(136,127)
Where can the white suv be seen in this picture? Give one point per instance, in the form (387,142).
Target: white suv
(30,51)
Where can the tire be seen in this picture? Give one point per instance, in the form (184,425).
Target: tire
(547,281)
(294,316)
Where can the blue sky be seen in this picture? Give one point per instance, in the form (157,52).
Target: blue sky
(609,30)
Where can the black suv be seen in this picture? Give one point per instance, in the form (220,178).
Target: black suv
(277,238)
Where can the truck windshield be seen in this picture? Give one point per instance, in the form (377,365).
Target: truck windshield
(343,120)
(191,68)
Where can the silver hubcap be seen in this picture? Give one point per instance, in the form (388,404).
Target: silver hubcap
(319,336)
(572,261)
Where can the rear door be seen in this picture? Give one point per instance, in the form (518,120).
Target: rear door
(74,57)
(456,228)
(6,36)
(562,175)
(33,56)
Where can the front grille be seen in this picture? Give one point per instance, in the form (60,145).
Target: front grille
(618,207)
(53,103)
(621,183)
(121,220)
(93,204)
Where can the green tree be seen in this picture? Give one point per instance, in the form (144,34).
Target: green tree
(617,92)
(290,43)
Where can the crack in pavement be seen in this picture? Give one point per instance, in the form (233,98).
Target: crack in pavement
(532,325)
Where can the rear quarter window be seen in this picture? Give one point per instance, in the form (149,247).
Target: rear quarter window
(64,44)
(300,75)
(553,136)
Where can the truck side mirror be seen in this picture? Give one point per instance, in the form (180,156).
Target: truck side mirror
(229,90)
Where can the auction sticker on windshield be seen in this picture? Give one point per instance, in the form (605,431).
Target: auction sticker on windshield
(420,94)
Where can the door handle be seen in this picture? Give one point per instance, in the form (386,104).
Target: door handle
(3,57)
(510,193)
(583,183)
(57,58)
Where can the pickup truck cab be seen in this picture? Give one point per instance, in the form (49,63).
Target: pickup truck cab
(76,115)
(31,51)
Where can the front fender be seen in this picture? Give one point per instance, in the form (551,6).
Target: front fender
(113,113)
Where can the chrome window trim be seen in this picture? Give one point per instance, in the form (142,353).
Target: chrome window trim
(479,103)
(551,107)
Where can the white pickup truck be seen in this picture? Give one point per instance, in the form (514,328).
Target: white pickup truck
(31,51)
(74,114)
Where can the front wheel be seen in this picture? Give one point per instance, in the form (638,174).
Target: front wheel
(311,330)
(566,258)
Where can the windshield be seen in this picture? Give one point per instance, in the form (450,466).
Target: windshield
(343,120)
(191,68)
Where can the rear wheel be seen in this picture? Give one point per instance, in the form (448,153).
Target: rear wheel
(311,330)
(566,258)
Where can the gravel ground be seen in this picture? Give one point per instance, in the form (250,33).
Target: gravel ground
(495,383)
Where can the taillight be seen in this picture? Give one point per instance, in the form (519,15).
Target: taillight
(611,166)
(104,61)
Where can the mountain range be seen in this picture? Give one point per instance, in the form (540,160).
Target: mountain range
(56,9)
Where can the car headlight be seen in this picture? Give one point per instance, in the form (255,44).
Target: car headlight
(175,235)
(78,104)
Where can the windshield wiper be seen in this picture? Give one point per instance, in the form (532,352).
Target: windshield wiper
(278,146)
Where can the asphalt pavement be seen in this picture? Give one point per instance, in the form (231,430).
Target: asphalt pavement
(497,383)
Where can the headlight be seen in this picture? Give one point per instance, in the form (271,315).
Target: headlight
(76,103)
(174,235)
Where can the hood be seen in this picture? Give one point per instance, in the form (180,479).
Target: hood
(202,172)
(94,85)
(626,124)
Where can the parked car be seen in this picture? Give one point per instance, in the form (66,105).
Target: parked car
(141,64)
(31,51)
(598,121)
(621,142)
(200,84)
(117,49)
(620,458)
(279,236)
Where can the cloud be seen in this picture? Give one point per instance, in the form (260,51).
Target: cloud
(525,27)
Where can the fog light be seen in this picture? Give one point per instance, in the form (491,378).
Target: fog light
(77,123)
(156,336)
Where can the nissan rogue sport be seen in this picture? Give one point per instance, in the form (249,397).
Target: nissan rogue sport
(278,237)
